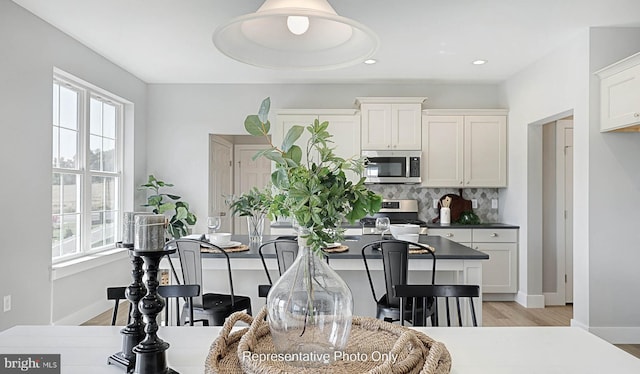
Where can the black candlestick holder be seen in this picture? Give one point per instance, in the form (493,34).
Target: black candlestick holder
(133,333)
(151,351)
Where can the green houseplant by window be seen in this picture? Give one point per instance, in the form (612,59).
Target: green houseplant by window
(181,218)
(310,306)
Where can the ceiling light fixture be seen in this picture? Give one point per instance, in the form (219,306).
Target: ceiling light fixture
(296,35)
(370,61)
(479,62)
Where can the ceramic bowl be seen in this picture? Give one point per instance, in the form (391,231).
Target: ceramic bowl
(220,238)
(414,238)
(405,228)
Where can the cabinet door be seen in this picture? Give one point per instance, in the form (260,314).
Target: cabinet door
(346,137)
(406,127)
(499,272)
(620,100)
(485,151)
(442,161)
(457,235)
(376,126)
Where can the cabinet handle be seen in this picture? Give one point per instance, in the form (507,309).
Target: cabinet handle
(460,182)
(448,235)
(388,145)
(222,214)
(468,182)
(636,115)
(493,234)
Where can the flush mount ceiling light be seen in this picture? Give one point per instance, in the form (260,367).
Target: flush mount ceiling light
(296,35)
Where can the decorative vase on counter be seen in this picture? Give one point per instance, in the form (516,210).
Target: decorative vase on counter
(309,309)
(255,224)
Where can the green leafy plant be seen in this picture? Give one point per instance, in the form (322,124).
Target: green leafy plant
(253,203)
(181,218)
(316,193)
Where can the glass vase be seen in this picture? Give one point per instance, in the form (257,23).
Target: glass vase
(255,224)
(309,310)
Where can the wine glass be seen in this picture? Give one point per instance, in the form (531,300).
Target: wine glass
(213,224)
(382,225)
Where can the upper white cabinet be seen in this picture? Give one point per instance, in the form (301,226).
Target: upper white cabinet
(464,148)
(344,125)
(620,95)
(392,123)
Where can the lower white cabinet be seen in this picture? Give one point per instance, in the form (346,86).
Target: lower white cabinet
(500,271)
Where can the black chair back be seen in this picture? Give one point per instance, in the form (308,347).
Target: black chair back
(176,292)
(117,294)
(395,261)
(286,251)
(455,292)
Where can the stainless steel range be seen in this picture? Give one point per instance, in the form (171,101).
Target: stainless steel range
(398,211)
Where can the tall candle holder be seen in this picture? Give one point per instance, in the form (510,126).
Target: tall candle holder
(133,333)
(149,245)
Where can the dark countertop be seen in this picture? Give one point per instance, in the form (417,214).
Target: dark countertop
(445,249)
(345,225)
(495,225)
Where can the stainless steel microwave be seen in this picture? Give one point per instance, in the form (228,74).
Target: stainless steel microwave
(392,166)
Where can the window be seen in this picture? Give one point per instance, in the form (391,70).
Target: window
(87,172)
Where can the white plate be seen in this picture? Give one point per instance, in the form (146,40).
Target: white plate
(333,245)
(228,245)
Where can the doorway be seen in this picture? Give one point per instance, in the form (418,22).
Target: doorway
(233,172)
(557,212)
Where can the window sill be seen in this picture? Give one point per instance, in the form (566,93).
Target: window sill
(77,265)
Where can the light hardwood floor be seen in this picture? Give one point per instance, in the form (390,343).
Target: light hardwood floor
(494,313)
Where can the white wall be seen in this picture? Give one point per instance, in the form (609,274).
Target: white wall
(557,84)
(606,236)
(182,116)
(614,201)
(31,49)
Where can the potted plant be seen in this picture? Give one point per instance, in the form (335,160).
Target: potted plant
(181,218)
(310,306)
(255,205)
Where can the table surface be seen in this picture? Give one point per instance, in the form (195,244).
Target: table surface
(495,350)
(444,248)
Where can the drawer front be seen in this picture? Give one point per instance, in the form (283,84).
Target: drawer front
(495,235)
(457,235)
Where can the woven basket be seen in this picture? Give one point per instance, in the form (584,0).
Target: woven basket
(371,348)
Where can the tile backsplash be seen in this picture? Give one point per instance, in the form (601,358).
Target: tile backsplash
(425,197)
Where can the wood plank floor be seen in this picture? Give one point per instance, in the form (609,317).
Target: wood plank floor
(494,313)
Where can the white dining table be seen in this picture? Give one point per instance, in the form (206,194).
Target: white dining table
(495,350)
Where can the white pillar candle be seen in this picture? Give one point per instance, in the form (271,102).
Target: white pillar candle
(149,234)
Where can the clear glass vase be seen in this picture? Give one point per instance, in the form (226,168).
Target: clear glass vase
(309,310)
(255,224)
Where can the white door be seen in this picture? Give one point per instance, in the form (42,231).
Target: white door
(220,181)
(568,203)
(485,151)
(346,137)
(443,149)
(249,173)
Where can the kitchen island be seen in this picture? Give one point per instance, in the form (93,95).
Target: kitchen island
(455,264)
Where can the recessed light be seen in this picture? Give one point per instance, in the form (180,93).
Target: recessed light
(370,61)
(479,62)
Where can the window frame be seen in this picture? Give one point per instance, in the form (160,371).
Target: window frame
(86,92)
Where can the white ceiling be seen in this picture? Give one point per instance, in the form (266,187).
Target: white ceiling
(169,41)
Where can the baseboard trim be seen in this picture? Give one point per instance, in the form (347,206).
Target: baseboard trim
(83,315)
(618,335)
(553,298)
(498,297)
(530,301)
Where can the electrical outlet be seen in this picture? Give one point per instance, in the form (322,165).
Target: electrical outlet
(494,203)
(474,203)
(435,203)
(7,303)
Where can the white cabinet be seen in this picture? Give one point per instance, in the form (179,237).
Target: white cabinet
(344,125)
(391,123)
(463,148)
(500,271)
(620,95)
